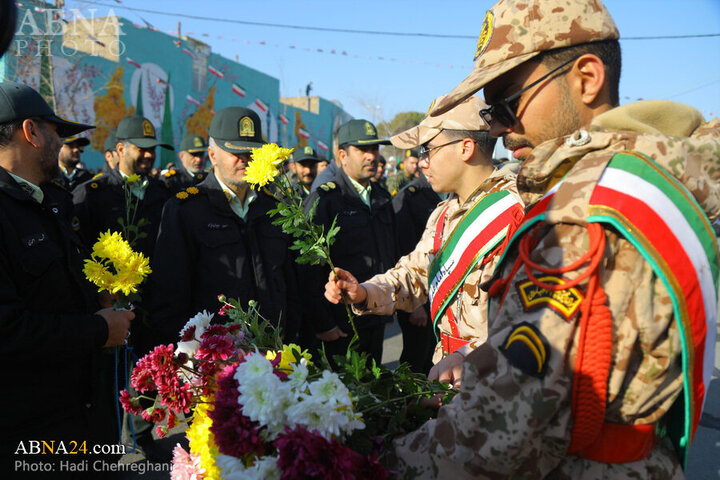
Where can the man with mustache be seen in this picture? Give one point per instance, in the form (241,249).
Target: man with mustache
(53,331)
(303,164)
(365,245)
(101,201)
(72,175)
(603,310)
(217,238)
(190,171)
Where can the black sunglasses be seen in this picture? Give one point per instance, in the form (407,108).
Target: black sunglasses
(504,110)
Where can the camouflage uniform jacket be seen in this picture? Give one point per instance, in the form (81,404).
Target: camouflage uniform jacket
(505,423)
(405,286)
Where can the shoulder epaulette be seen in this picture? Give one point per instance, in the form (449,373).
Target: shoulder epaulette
(326,187)
(187,193)
(169,173)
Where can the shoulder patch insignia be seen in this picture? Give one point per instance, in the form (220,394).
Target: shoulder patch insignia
(565,302)
(182,195)
(527,350)
(192,190)
(98,175)
(169,173)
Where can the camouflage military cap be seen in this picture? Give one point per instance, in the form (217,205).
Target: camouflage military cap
(465,116)
(514,31)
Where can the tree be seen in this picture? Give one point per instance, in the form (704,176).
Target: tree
(400,122)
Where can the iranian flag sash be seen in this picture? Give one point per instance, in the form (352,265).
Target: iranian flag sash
(667,226)
(662,220)
(482,228)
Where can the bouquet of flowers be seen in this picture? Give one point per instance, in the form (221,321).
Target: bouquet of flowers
(261,409)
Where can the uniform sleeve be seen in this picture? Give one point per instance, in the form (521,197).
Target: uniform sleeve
(171,280)
(27,333)
(512,417)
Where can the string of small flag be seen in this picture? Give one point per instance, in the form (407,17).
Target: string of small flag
(333,51)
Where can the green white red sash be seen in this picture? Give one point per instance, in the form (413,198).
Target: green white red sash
(664,222)
(657,214)
(482,228)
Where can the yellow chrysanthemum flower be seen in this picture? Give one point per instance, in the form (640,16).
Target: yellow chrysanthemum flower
(263,168)
(132,178)
(288,356)
(111,250)
(202,441)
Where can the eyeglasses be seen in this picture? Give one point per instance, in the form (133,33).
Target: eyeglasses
(504,110)
(424,152)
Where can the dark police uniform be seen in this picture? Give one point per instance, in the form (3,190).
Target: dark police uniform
(101,201)
(413,206)
(365,246)
(50,343)
(48,336)
(204,249)
(179,179)
(98,204)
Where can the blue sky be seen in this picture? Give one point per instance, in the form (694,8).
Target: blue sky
(382,75)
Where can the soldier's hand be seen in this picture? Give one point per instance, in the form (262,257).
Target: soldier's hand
(118,322)
(344,283)
(419,317)
(331,335)
(448,370)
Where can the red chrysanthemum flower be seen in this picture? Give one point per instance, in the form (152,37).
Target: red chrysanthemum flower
(303,454)
(234,433)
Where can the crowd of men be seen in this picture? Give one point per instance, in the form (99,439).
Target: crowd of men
(573,291)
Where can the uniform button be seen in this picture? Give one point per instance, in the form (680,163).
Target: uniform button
(54,209)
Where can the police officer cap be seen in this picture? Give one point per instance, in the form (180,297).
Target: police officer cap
(110,143)
(359,133)
(20,102)
(80,141)
(304,154)
(140,132)
(236,130)
(193,144)
(412,152)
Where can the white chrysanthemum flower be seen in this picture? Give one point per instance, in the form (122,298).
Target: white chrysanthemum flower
(255,366)
(309,412)
(264,468)
(329,388)
(200,321)
(265,400)
(298,377)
